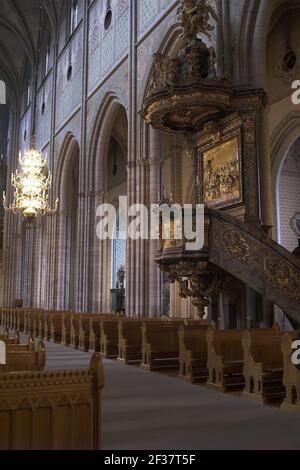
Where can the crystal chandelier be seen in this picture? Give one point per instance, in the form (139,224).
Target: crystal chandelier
(31,187)
(32,183)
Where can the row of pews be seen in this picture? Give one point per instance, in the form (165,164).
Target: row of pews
(256,363)
(46,410)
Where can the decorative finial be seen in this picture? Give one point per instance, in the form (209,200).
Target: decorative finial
(194,16)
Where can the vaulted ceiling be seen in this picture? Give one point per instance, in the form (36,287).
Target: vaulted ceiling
(19,32)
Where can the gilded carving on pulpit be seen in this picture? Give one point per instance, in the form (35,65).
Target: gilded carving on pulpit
(195,17)
(222,175)
(171,241)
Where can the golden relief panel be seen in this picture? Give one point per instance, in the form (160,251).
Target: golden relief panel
(222,175)
(171,241)
(282,276)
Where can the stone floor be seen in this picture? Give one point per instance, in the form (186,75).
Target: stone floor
(152,411)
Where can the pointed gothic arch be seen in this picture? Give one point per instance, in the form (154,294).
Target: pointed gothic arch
(67,188)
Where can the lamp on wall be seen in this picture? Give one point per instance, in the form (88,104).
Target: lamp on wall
(32,183)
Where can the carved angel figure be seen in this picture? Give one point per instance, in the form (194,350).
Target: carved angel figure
(194,16)
(157,73)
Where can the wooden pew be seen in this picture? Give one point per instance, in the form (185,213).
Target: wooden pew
(5,333)
(57,410)
(130,340)
(74,333)
(66,328)
(5,317)
(95,330)
(291,375)
(56,326)
(95,333)
(2,316)
(41,326)
(13,314)
(31,322)
(263,364)
(225,359)
(47,324)
(5,337)
(18,347)
(109,336)
(10,318)
(19,319)
(36,322)
(26,320)
(160,344)
(193,351)
(85,331)
(21,357)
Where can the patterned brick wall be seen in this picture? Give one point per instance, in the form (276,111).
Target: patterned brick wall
(69,87)
(43,112)
(106,46)
(148,12)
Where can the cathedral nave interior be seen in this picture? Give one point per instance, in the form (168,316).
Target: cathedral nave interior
(116,333)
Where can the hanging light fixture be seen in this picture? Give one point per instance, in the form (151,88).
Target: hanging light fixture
(31,187)
(32,183)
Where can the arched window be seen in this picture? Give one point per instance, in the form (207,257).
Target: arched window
(289,198)
(47,56)
(28,93)
(74,16)
(2,92)
(118,255)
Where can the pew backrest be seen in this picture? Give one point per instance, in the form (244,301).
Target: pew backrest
(57,410)
(225,343)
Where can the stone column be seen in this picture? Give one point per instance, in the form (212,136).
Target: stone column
(138,244)
(268,314)
(226,43)
(132,156)
(52,267)
(251,171)
(154,185)
(257,164)
(251,301)
(175,301)
(38,274)
(143,197)
(11,260)
(92,303)
(131,245)
(80,249)
(61,279)
(82,239)
(96,259)
(266,171)
(176,163)
(142,293)
(223,312)
(52,223)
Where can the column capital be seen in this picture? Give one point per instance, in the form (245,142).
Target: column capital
(154,162)
(131,164)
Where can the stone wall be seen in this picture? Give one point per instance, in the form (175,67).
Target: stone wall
(289,197)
